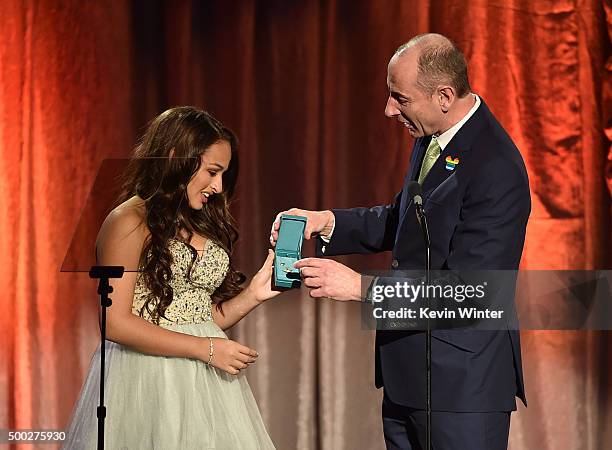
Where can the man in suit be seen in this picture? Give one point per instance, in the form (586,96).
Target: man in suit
(476,196)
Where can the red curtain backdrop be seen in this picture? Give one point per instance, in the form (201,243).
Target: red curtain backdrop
(303,84)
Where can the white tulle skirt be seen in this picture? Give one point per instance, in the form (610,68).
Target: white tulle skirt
(155,402)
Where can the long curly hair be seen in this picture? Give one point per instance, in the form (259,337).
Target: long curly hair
(164,161)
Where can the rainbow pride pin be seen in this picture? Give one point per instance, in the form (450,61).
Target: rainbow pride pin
(451,162)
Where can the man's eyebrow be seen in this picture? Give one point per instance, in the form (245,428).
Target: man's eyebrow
(396,95)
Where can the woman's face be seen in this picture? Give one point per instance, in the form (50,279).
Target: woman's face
(207,180)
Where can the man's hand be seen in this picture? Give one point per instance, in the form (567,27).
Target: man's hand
(329,278)
(317,222)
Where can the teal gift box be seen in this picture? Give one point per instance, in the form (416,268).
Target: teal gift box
(288,251)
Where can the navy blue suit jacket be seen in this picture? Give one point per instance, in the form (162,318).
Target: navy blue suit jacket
(477,215)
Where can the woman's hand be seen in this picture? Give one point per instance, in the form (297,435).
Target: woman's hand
(228,355)
(260,286)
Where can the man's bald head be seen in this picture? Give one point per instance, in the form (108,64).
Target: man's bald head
(439,61)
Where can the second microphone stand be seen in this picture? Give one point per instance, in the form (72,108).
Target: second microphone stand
(103,273)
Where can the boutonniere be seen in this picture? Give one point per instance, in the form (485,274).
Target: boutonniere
(451,162)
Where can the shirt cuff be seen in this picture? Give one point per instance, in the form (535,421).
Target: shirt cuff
(368,296)
(327,238)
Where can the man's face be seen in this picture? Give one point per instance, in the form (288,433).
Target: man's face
(419,112)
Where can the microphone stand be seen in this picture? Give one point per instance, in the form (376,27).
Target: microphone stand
(422,218)
(103,273)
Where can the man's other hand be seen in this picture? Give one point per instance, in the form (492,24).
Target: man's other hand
(317,223)
(329,278)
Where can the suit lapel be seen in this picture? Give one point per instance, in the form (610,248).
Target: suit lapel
(447,163)
(420,145)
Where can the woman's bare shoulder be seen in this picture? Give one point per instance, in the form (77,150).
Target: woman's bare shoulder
(130,212)
(125,223)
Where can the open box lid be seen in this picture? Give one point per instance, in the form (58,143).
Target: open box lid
(291,235)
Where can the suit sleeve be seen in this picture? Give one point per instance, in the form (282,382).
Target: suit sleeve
(362,230)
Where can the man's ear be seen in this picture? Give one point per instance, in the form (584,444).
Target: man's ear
(446,97)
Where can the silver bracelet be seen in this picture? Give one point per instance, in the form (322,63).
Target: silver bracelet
(211,351)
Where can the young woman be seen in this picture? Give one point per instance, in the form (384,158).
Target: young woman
(173,378)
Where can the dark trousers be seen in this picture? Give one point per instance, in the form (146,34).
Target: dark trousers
(404,429)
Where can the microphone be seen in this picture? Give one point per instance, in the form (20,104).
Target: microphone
(414,189)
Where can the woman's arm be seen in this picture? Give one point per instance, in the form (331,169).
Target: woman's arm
(258,291)
(120,243)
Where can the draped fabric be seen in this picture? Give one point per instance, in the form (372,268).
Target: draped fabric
(304,86)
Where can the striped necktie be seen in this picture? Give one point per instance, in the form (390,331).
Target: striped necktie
(431,155)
